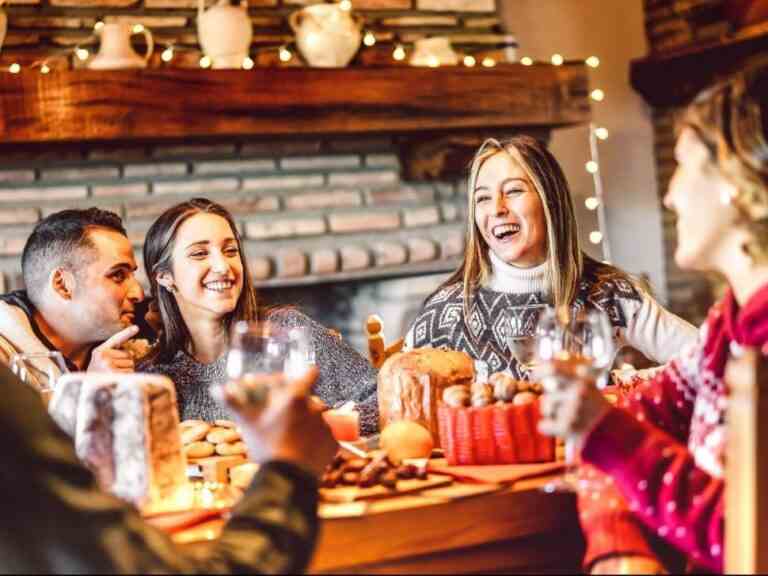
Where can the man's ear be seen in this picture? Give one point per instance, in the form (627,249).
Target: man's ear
(63,283)
(165,280)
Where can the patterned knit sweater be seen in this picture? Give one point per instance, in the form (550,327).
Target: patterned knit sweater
(344,375)
(664,449)
(510,302)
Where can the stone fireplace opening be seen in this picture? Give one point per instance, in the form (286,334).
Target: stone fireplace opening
(344,306)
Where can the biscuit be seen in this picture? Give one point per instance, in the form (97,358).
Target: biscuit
(225,423)
(194,433)
(199,450)
(230,449)
(222,435)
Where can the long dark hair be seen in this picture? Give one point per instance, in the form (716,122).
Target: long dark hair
(158,258)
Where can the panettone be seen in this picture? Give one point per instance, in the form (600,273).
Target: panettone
(411,384)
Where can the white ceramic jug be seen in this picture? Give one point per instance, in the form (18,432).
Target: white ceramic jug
(3,25)
(116,51)
(327,35)
(224,32)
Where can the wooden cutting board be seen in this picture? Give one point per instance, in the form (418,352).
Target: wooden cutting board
(496,473)
(352,493)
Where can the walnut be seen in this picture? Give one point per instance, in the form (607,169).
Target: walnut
(456,396)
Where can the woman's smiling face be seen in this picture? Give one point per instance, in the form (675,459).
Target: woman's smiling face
(509,213)
(207,267)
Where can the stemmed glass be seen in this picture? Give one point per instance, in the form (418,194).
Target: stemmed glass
(40,370)
(576,337)
(522,337)
(264,354)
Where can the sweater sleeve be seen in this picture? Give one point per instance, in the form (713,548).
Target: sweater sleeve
(344,374)
(655,331)
(610,527)
(659,479)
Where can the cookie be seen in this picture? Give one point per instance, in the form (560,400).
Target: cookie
(222,435)
(199,450)
(230,449)
(194,433)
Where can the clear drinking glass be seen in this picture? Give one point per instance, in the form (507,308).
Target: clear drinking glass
(40,370)
(264,349)
(578,337)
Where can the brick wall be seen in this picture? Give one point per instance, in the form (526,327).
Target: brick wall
(672,25)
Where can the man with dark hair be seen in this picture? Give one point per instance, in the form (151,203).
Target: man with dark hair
(80,296)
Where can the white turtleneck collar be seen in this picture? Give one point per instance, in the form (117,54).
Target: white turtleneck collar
(514,280)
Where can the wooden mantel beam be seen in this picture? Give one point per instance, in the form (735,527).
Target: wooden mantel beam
(177,103)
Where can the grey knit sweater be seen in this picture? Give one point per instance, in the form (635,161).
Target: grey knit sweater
(344,375)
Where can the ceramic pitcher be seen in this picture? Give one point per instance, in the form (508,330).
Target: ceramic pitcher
(116,51)
(3,24)
(327,35)
(224,32)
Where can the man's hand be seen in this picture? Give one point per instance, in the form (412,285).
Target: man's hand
(107,357)
(627,565)
(283,423)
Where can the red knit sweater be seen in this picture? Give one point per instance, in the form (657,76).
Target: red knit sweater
(662,451)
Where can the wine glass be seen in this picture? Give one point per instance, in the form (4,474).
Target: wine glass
(265,354)
(585,340)
(40,370)
(527,329)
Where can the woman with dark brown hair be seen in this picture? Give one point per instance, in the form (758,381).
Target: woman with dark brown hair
(663,449)
(198,275)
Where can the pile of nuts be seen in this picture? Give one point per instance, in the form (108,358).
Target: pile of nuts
(346,470)
(500,388)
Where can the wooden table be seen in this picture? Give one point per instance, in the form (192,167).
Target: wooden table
(518,529)
(464,528)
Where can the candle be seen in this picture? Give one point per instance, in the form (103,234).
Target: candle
(344,424)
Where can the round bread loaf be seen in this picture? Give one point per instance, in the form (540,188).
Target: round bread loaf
(411,384)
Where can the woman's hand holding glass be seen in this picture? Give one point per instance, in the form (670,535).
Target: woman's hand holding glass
(575,350)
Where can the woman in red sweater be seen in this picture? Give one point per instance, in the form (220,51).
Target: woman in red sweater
(656,500)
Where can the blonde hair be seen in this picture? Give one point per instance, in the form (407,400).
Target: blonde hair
(566,262)
(730,120)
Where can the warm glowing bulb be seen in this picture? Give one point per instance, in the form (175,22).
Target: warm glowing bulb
(98,26)
(470,61)
(595,237)
(369,39)
(205,62)
(433,61)
(489,62)
(601,133)
(398,53)
(526,61)
(248,63)
(82,53)
(345,5)
(592,203)
(593,61)
(138,28)
(285,54)
(167,54)
(557,59)
(44,69)
(14,68)
(597,95)
(592,167)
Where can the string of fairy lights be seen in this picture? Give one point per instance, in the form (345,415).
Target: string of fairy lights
(595,202)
